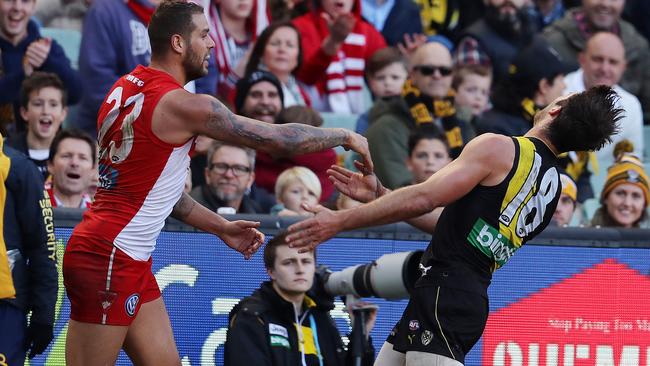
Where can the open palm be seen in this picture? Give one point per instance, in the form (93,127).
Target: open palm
(358,186)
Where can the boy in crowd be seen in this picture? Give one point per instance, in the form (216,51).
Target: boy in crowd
(472,85)
(386,73)
(43,106)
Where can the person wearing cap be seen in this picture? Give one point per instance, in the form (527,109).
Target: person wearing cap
(259,95)
(496,38)
(535,78)
(625,196)
(603,62)
(566,206)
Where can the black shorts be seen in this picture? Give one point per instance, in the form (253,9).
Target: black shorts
(441,320)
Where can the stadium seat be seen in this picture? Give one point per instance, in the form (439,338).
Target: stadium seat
(69,39)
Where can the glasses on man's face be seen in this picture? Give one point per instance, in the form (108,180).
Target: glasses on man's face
(428,70)
(237,170)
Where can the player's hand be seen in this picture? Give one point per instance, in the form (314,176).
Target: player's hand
(38,51)
(359,144)
(306,235)
(339,27)
(243,237)
(363,188)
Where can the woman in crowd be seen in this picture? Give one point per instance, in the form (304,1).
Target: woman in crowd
(278,51)
(624,199)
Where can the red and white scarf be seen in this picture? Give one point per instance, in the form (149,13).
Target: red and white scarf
(224,49)
(344,76)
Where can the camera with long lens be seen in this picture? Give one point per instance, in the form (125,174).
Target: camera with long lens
(390,277)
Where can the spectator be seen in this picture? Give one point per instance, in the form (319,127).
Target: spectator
(336,42)
(625,196)
(495,39)
(428,153)
(284,10)
(28,274)
(43,106)
(114,41)
(448,18)
(199,160)
(566,205)
(63,14)
(535,79)
(426,99)
(228,178)
(284,322)
(544,12)
(472,84)
(386,73)
(393,18)
(72,166)
(569,36)
(234,27)
(259,96)
(279,52)
(602,62)
(24,51)
(294,187)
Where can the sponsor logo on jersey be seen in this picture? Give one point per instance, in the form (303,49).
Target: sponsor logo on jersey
(491,242)
(131,304)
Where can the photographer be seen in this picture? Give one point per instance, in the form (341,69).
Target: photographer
(263,327)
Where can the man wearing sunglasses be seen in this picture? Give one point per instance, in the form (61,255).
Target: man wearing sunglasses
(228,176)
(426,100)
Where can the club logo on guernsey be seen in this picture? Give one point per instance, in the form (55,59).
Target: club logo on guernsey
(491,242)
(131,304)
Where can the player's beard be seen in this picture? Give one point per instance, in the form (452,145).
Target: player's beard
(193,65)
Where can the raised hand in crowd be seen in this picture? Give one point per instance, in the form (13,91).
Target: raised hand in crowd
(36,55)
(411,43)
(339,28)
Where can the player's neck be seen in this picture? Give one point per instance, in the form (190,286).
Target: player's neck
(172,67)
(538,133)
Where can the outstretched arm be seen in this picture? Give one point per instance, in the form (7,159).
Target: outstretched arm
(240,235)
(175,122)
(485,160)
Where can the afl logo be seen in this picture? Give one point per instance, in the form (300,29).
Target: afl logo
(131,303)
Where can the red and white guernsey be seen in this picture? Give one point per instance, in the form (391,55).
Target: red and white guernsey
(140,176)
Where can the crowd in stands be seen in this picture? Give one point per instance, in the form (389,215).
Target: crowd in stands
(420,78)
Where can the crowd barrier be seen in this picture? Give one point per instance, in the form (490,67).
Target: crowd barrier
(570,297)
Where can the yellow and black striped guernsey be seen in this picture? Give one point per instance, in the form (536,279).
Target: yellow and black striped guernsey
(481,231)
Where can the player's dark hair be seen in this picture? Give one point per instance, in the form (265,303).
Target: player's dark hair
(587,120)
(171,17)
(72,133)
(39,80)
(426,132)
(270,249)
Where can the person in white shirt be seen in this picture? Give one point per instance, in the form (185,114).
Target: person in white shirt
(603,62)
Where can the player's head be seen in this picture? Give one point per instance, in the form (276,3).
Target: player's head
(180,27)
(292,273)
(583,121)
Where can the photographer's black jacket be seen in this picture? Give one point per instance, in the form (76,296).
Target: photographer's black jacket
(29,237)
(262,331)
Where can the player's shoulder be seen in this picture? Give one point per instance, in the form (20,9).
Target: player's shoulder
(490,144)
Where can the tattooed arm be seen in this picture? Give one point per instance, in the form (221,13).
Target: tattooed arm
(181,115)
(240,235)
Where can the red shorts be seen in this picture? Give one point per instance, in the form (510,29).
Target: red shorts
(104,285)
